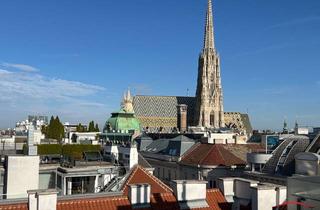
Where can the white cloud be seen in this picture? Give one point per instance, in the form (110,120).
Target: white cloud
(23,93)
(298,21)
(21,67)
(3,72)
(36,86)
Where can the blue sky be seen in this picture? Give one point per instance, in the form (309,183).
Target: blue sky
(76,58)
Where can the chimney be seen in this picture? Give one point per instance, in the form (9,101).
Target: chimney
(32,150)
(133,156)
(182,117)
(139,195)
(190,193)
(42,199)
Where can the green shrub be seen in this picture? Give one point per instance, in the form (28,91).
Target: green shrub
(49,149)
(76,150)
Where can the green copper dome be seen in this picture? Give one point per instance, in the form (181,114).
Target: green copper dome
(122,121)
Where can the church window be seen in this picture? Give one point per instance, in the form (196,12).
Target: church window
(212,118)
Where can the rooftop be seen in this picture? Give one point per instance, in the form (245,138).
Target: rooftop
(218,154)
(161,196)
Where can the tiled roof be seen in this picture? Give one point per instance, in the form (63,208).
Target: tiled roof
(241,150)
(112,203)
(212,155)
(216,200)
(162,198)
(161,106)
(139,175)
(158,201)
(22,206)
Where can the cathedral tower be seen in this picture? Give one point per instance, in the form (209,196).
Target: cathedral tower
(209,99)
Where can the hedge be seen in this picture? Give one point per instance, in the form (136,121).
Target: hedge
(49,149)
(74,151)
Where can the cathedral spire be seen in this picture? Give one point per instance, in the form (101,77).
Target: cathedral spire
(209,97)
(209,32)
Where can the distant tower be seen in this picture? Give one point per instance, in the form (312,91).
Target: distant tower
(182,117)
(285,127)
(209,98)
(126,103)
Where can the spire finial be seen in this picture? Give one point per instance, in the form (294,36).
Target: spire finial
(126,104)
(209,32)
(128,94)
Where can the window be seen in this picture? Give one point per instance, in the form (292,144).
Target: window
(212,184)
(120,156)
(173,152)
(59,181)
(127,156)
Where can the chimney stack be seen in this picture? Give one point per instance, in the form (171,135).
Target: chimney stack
(139,195)
(182,117)
(42,199)
(190,193)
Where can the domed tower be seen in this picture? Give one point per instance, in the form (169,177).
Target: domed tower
(124,120)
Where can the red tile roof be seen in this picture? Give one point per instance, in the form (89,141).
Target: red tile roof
(211,155)
(112,203)
(22,206)
(158,201)
(139,175)
(162,197)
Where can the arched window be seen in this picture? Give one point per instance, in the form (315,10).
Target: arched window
(212,118)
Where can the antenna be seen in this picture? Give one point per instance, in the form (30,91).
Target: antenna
(187,91)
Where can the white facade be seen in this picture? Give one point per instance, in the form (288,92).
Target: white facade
(35,136)
(257,160)
(262,196)
(78,137)
(189,189)
(23,126)
(226,187)
(7,139)
(42,200)
(128,156)
(139,194)
(307,164)
(190,193)
(221,138)
(22,174)
(301,131)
